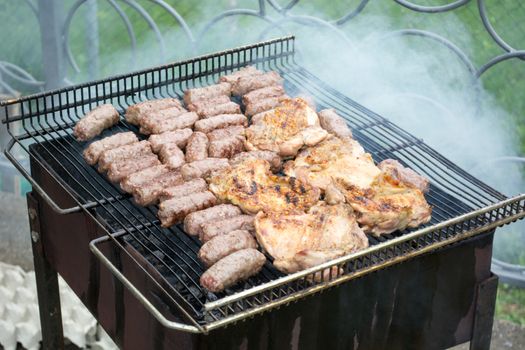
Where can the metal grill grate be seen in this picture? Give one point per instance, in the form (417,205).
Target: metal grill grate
(462,205)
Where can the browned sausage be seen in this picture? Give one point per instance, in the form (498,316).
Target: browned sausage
(94,150)
(226,148)
(205,103)
(221,246)
(184,189)
(243,72)
(197,148)
(182,121)
(224,108)
(224,226)
(174,210)
(249,83)
(171,155)
(179,137)
(203,168)
(149,193)
(220,121)
(130,151)
(194,221)
(134,113)
(334,124)
(95,121)
(219,134)
(131,182)
(262,94)
(191,96)
(263,105)
(150,120)
(119,170)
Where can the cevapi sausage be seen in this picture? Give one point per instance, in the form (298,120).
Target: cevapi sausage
(94,150)
(221,246)
(95,121)
(194,221)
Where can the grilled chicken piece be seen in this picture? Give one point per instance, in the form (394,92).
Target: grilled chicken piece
(334,124)
(271,157)
(286,129)
(300,241)
(383,203)
(251,185)
(406,175)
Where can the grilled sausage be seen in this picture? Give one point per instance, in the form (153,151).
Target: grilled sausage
(219,134)
(171,155)
(243,72)
(226,148)
(249,83)
(95,121)
(153,119)
(263,105)
(179,137)
(173,210)
(271,157)
(184,189)
(149,193)
(132,182)
(203,168)
(191,96)
(194,221)
(130,151)
(136,112)
(220,121)
(205,103)
(224,108)
(334,124)
(197,148)
(94,150)
(182,121)
(221,246)
(119,170)
(263,94)
(224,226)
(231,269)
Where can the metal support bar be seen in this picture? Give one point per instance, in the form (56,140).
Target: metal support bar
(484,314)
(50,17)
(46,285)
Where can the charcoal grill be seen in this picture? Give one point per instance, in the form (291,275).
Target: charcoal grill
(141,281)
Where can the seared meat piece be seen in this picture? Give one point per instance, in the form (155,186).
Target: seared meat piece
(382,203)
(246,84)
(243,72)
(334,124)
(94,150)
(220,121)
(179,137)
(226,148)
(149,193)
(182,121)
(286,129)
(406,175)
(262,94)
(197,148)
(171,155)
(203,168)
(221,246)
(223,108)
(231,269)
(174,210)
(132,182)
(194,221)
(264,105)
(95,121)
(308,99)
(300,241)
(252,186)
(191,96)
(206,103)
(221,227)
(120,169)
(184,189)
(152,120)
(332,195)
(130,151)
(136,112)
(269,156)
(220,134)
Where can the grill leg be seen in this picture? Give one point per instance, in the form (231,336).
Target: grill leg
(484,314)
(46,285)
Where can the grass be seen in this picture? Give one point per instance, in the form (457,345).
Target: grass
(510,304)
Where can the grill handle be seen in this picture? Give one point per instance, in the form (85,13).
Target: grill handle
(138,294)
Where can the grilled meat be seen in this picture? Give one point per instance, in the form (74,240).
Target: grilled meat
(204,167)
(148,193)
(171,155)
(249,83)
(300,241)
(269,156)
(129,151)
(243,72)
(179,137)
(94,150)
(224,226)
(191,96)
(207,103)
(194,221)
(252,186)
(262,94)
(264,105)
(95,121)
(223,108)
(409,177)
(182,190)
(220,134)
(334,124)
(227,147)
(132,182)
(286,129)
(136,112)
(174,210)
(197,148)
(120,169)
(220,121)
(185,120)
(149,121)
(231,269)
(221,246)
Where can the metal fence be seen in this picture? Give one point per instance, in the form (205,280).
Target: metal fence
(79,40)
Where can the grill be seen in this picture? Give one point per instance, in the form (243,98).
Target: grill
(463,207)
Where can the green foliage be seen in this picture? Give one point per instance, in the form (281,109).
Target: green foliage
(510,304)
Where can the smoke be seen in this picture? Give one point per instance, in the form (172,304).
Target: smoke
(415,82)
